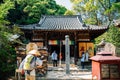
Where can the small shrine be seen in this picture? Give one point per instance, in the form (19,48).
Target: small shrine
(105,66)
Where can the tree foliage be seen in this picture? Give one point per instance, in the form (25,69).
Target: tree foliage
(30,11)
(7,51)
(112,36)
(69,12)
(97,11)
(100,12)
(4,7)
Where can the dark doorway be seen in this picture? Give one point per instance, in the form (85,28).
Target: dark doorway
(57,49)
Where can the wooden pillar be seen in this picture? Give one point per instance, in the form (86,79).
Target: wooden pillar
(75,49)
(33,32)
(30,34)
(46,40)
(60,54)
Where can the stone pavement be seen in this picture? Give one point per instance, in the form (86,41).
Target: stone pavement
(76,73)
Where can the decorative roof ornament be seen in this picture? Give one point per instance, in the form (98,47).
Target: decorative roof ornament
(117,22)
(84,25)
(42,19)
(102,43)
(13,37)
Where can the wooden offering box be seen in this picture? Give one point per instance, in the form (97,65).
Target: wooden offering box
(105,66)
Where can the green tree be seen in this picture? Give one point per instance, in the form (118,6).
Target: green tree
(97,11)
(113,36)
(100,12)
(69,12)
(4,7)
(30,11)
(7,51)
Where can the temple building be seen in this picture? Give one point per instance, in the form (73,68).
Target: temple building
(51,30)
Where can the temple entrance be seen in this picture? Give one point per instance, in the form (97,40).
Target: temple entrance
(57,49)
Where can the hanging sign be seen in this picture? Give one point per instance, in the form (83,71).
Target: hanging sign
(53,42)
(57,42)
(70,42)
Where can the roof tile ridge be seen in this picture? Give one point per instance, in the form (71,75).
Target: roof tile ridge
(79,19)
(42,19)
(58,16)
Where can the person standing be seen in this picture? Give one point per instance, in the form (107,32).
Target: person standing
(54,58)
(87,56)
(83,60)
(31,62)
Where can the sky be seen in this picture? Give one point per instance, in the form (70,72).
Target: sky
(65,3)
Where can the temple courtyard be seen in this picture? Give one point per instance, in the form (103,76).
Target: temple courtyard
(59,73)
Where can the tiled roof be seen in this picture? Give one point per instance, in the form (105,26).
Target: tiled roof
(105,56)
(63,22)
(30,26)
(104,52)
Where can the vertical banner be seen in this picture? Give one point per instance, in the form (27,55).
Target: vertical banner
(90,48)
(84,46)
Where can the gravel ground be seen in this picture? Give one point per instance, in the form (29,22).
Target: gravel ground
(59,73)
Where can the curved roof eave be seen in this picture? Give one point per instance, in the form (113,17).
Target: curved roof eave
(83,29)
(63,23)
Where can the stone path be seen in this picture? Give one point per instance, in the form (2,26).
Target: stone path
(58,73)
